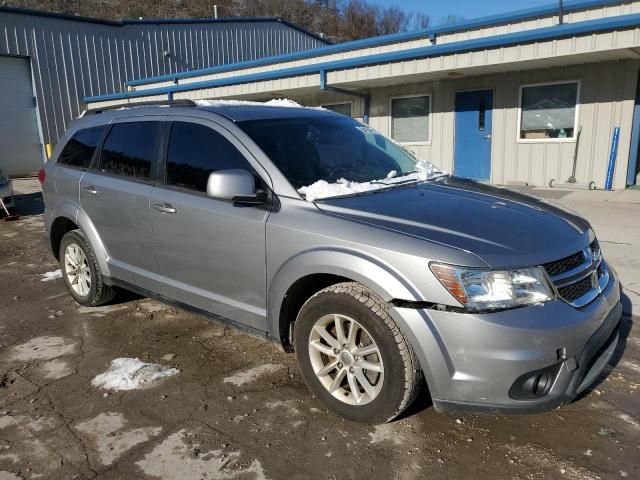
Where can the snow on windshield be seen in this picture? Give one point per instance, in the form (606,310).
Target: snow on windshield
(323,189)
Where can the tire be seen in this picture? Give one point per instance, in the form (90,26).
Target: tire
(76,245)
(393,373)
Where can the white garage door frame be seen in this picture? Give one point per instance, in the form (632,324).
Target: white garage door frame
(36,109)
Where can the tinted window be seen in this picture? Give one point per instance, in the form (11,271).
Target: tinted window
(195,151)
(79,150)
(327,148)
(130,149)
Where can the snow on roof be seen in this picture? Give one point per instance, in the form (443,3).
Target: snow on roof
(276,102)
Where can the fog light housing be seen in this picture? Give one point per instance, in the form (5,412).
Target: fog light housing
(534,384)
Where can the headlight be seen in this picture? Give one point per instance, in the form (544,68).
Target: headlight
(494,289)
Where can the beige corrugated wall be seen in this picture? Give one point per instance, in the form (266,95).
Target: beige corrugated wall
(607,95)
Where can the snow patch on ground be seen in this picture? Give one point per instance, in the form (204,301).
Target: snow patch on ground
(289,405)
(385,433)
(109,437)
(323,189)
(131,374)
(42,348)
(174,459)
(248,376)
(48,276)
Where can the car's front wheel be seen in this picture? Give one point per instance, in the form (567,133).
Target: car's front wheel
(353,356)
(80,271)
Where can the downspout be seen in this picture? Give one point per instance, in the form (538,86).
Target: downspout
(324,86)
(632,166)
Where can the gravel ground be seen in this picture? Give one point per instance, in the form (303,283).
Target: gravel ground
(238,409)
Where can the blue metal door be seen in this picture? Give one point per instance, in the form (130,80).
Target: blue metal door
(473,134)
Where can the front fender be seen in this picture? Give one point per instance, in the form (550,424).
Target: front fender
(373,273)
(382,279)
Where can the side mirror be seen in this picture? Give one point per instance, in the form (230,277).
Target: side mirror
(236,185)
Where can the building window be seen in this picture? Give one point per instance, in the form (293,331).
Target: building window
(343,108)
(410,119)
(548,112)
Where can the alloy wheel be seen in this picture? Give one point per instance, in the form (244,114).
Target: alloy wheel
(346,359)
(76,268)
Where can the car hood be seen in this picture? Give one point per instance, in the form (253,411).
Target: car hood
(503,227)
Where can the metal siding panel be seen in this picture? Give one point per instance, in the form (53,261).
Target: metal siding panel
(72,59)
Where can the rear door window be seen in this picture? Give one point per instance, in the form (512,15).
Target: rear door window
(80,149)
(130,150)
(197,150)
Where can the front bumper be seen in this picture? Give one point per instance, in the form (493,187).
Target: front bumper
(471,361)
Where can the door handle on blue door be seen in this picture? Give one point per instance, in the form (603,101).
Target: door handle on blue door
(91,190)
(164,208)
(487,137)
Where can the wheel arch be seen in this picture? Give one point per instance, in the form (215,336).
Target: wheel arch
(68,216)
(311,271)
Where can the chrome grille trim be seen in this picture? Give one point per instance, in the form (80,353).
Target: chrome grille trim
(579,285)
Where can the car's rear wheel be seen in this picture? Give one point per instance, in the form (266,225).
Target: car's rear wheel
(353,356)
(80,271)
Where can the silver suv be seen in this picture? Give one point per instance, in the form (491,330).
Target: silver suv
(318,233)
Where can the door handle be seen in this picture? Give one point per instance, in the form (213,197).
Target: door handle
(164,208)
(487,137)
(91,190)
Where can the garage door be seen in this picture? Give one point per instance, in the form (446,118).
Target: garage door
(20,148)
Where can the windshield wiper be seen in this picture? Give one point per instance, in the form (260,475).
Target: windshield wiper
(391,184)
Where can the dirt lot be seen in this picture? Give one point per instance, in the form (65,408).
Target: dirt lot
(226,415)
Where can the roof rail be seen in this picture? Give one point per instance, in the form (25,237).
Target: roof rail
(152,103)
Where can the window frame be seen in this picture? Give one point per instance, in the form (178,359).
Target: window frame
(578,83)
(158,146)
(96,152)
(429,95)
(161,182)
(344,102)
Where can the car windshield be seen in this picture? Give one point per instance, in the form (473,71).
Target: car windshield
(334,155)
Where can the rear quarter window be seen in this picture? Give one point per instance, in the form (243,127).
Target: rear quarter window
(80,148)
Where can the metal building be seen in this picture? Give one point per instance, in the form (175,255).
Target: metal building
(511,99)
(59,59)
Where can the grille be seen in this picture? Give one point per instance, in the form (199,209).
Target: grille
(576,290)
(577,265)
(564,265)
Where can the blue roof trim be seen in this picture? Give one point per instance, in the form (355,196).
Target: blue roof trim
(546,33)
(154,21)
(518,15)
